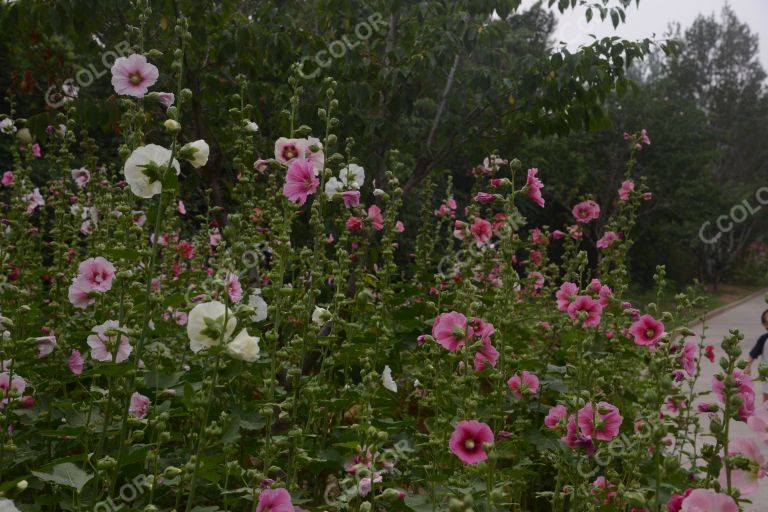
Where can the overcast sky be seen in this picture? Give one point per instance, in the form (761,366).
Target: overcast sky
(653,17)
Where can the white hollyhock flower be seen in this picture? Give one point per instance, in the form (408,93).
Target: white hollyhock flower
(195,152)
(333,187)
(260,305)
(387,380)
(320,315)
(206,323)
(251,127)
(6,126)
(143,168)
(244,347)
(353,176)
(7,506)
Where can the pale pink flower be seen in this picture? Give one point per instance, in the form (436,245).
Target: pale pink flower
(538,279)
(586,211)
(166,99)
(459,229)
(482,231)
(234,289)
(36,151)
(399,226)
(286,150)
(351,198)
(626,188)
(591,307)
(744,389)
(45,345)
(523,384)
(565,295)
(468,439)
(76,362)
(300,182)
(644,139)
(96,274)
(707,500)
(647,330)
(79,296)
(602,423)
(103,345)
(81,176)
(534,186)
(745,480)
(607,239)
(374,215)
(133,75)
(758,423)
(450,330)
(34,200)
(181,207)
(139,405)
(688,358)
(8,384)
(7,178)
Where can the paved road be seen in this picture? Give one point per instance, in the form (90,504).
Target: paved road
(746,318)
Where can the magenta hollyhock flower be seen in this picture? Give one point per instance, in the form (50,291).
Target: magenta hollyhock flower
(602,423)
(523,384)
(591,307)
(103,345)
(274,500)
(744,389)
(688,358)
(468,439)
(133,75)
(676,501)
(534,186)
(354,224)
(575,438)
(586,211)
(607,239)
(300,182)
(351,198)
(486,356)
(96,274)
(484,197)
(707,500)
(647,330)
(556,417)
(482,231)
(374,215)
(7,178)
(565,295)
(139,405)
(450,330)
(745,480)
(76,362)
(626,188)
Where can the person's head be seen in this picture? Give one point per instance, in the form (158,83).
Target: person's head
(764,319)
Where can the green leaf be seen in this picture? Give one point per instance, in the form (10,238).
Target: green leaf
(66,474)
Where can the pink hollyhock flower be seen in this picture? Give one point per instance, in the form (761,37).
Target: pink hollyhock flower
(744,389)
(745,480)
(300,182)
(36,151)
(103,346)
(78,296)
(603,489)
(181,207)
(534,186)
(484,197)
(459,229)
(575,438)
(166,99)
(709,353)
(603,423)
(647,330)
(468,439)
(647,196)
(626,188)
(274,500)
(139,405)
(366,484)
(399,226)
(607,240)
(354,224)
(676,501)
(556,417)
(7,383)
(234,290)
(81,176)
(7,178)
(374,215)
(286,150)
(565,295)
(45,345)
(34,199)
(481,230)
(644,137)
(351,198)
(486,356)
(586,211)
(538,279)
(96,274)
(591,307)
(133,75)
(76,362)
(688,358)
(707,500)
(450,330)
(522,385)
(758,423)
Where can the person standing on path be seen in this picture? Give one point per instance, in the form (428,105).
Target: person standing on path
(758,351)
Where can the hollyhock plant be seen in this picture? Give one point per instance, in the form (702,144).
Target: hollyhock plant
(601,422)
(76,362)
(234,289)
(534,185)
(377,220)
(7,180)
(81,176)
(34,201)
(688,358)
(300,182)
(607,240)
(196,153)
(244,347)
(745,480)
(575,438)
(274,500)
(627,187)
(743,387)
(523,384)
(468,440)
(450,330)
(95,275)
(557,417)
(481,231)
(647,331)
(486,356)
(566,295)
(133,75)
(107,344)
(587,306)
(586,211)
(139,405)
